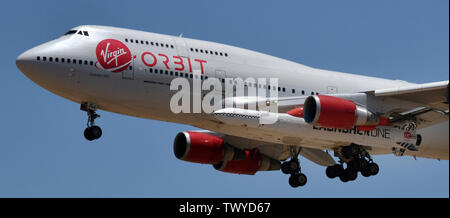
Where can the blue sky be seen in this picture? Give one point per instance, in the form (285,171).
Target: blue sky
(42,149)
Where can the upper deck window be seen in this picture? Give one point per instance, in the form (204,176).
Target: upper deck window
(70,32)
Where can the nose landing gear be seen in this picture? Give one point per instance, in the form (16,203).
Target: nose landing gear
(92,131)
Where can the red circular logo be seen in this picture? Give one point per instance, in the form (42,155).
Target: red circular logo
(113,55)
(407,135)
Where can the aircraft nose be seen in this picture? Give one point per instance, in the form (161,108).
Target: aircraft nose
(25,62)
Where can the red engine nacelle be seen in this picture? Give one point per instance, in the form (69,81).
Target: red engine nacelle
(252,163)
(201,147)
(334,112)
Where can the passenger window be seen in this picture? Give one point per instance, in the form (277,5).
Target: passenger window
(206,51)
(56,59)
(192,49)
(167,45)
(284,90)
(131,68)
(74,61)
(221,54)
(80,61)
(137,41)
(91,63)
(176,73)
(190,76)
(38,58)
(142,42)
(201,50)
(181,74)
(157,44)
(50,59)
(216,53)
(131,40)
(151,43)
(85,62)
(150,70)
(196,50)
(146,42)
(167,72)
(226,55)
(293,91)
(63,60)
(171,46)
(303,92)
(126,40)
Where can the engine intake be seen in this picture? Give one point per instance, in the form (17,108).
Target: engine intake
(334,112)
(203,148)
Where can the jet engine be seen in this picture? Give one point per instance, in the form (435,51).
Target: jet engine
(334,112)
(203,148)
(252,163)
(199,147)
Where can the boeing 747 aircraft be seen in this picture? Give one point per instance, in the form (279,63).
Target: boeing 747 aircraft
(258,112)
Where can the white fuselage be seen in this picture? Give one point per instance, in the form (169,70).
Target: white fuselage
(139,91)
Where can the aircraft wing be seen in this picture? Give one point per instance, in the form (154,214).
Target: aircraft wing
(280,151)
(427,103)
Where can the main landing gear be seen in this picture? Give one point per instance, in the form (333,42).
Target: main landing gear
(92,131)
(357,160)
(293,167)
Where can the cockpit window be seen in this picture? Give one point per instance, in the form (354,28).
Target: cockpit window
(86,33)
(70,32)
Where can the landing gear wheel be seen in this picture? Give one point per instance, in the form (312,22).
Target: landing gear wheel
(343,177)
(351,174)
(331,172)
(296,180)
(373,169)
(365,172)
(334,171)
(285,168)
(92,133)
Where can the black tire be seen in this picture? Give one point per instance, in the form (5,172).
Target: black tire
(301,178)
(343,177)
(339,169)
(365,172)
(88,134)
(353,165)
(294,165)
(352,175)
(331,172)
(285,168)
(92,133)
(363,164)
(293,181)
(373,169)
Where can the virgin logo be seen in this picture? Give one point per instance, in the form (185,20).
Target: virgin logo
(113,55)
(407,135)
